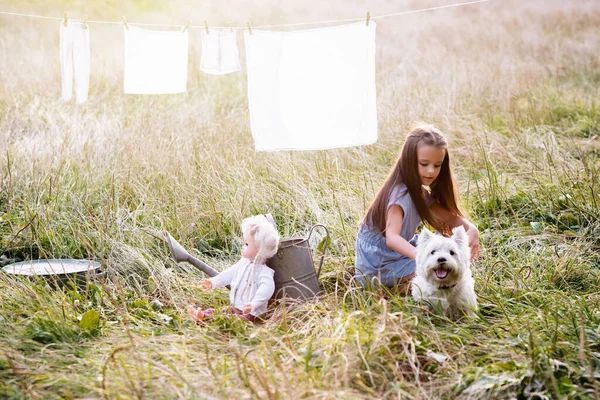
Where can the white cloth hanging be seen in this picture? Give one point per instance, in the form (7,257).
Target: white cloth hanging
(220,54)
(75,60)
(155,61)
(312,89)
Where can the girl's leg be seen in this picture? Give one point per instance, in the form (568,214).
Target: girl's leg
(403,286)
(397,276)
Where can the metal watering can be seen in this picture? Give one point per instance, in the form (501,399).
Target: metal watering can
(295,274)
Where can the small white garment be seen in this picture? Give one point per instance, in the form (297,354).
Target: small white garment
(250,284)
(220,54)
(155,61)
(312,89)
(75,60)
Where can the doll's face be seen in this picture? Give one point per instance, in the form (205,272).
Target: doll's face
(250,248)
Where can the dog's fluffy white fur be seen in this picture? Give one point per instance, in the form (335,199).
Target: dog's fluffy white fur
(443,276)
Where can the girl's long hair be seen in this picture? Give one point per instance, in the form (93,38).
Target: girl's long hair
(406,170)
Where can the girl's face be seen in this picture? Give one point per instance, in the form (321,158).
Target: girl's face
(250,248)
(429,160)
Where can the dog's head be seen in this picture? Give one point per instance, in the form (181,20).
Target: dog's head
(441,260)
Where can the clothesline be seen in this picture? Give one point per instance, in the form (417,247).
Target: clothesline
(337,62)
(254,27)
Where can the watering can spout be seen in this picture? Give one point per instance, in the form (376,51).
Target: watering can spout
(180,254)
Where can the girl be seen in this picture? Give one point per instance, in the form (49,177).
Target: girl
(251,280)
(420,187)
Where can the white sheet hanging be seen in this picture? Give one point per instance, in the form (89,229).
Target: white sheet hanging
(220,54)
(155,61)
(312,89)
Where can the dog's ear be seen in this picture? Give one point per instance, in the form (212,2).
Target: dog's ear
(424,237)
(459,235)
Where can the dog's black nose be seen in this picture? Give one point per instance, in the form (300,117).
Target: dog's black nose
(441,260)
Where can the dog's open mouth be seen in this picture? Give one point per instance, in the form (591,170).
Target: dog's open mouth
(441,272)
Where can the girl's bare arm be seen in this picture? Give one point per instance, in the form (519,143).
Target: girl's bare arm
(393,239)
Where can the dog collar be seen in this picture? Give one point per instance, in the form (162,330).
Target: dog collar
(447,287)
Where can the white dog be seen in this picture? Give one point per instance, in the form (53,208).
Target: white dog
(443,276)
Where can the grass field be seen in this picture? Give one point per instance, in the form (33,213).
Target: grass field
(515,86)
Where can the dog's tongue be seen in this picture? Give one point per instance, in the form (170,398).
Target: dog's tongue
(441,273)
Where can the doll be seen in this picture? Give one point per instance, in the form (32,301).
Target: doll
(250,279)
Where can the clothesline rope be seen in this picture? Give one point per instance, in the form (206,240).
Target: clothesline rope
(254,27)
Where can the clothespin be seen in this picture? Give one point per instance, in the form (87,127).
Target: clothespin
(85,19)
(206,27)
(65,20)
(249,27)
(368,17)
(125,22)
(186,26)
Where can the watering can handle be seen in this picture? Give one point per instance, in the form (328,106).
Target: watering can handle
(324,247)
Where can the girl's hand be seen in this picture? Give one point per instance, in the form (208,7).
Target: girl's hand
(473,235)
(206,284)
(247,308)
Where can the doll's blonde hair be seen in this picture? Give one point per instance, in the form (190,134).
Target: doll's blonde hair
(265,235)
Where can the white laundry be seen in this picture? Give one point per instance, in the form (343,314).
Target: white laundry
(219,52)
(75,60)
(155,61)
(312,89)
